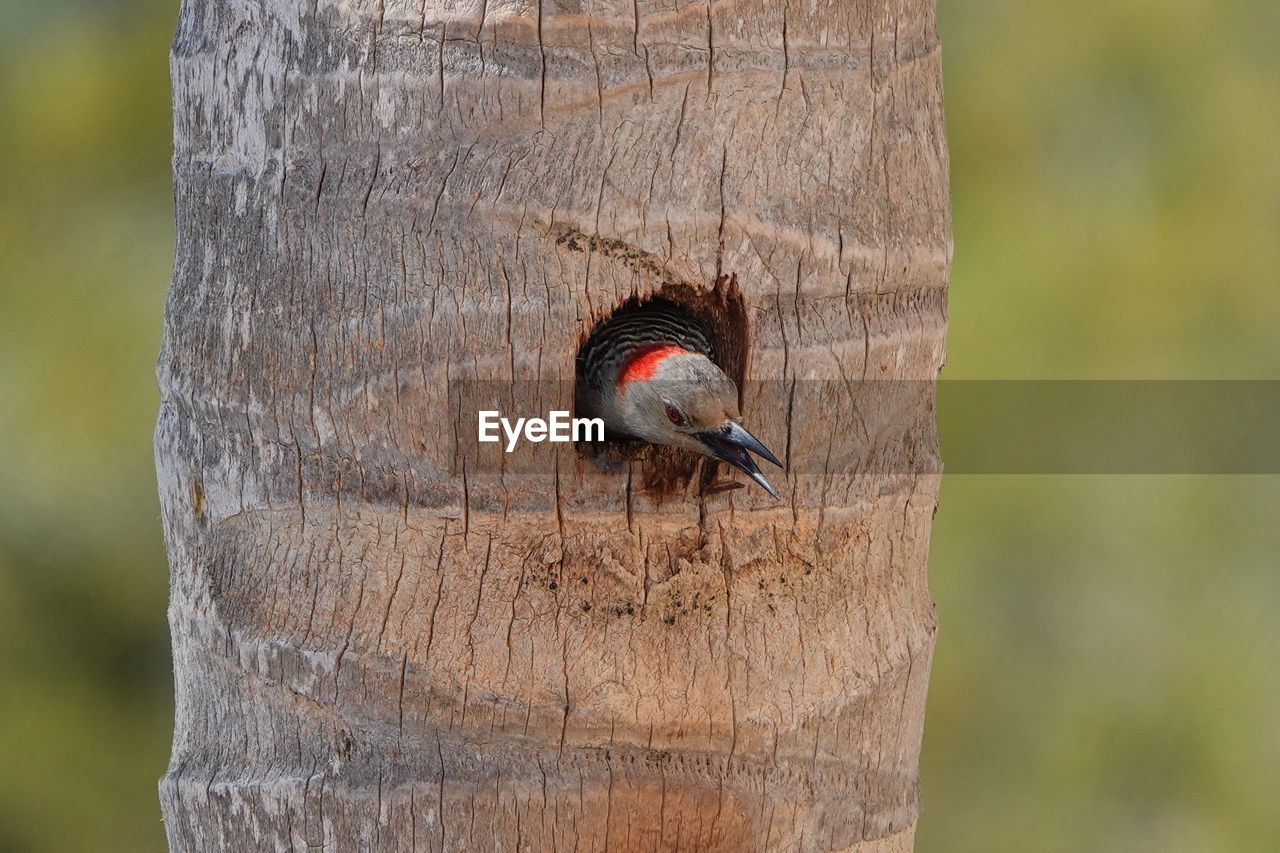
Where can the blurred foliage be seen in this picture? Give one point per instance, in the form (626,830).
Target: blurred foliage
(1116,188)
(1105,676)
(85,249)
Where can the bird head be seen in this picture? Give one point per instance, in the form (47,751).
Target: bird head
(668,395)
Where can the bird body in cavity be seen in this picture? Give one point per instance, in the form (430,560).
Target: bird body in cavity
(649,372)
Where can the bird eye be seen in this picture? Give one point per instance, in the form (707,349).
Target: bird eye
(674,415)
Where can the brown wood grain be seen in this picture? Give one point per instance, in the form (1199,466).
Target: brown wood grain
(387,637)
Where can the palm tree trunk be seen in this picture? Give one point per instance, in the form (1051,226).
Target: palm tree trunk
(387,636)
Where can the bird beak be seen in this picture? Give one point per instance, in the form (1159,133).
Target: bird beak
(730,444)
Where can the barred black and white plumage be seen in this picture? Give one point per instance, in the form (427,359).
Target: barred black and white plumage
(634,328)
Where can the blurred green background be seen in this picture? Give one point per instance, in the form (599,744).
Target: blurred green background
(1107,675)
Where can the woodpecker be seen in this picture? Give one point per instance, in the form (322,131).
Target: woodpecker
(649,372)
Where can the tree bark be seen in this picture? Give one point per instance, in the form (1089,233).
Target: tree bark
(389,637)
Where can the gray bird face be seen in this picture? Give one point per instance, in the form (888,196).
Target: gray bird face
(690,403)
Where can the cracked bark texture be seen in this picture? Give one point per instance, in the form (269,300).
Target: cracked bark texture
(387,639)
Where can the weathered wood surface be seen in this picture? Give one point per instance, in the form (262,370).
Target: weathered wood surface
(386,639)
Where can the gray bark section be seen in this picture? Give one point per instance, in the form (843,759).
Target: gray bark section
(385,637)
